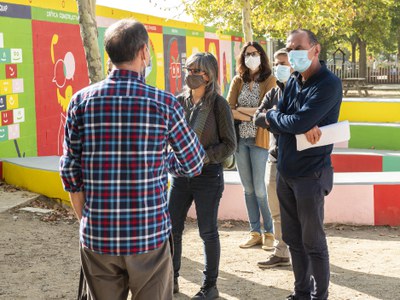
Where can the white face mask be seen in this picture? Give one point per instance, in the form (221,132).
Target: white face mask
(252,62)
(282,73)
(148,67)
(299,60)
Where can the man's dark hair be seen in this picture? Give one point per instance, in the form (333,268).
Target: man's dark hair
(311,36)
(124,39)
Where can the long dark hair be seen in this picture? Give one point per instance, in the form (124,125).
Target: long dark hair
(208,63)
(244,71)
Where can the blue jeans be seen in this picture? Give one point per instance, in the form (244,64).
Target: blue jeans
(251,162)
(206,192)
(301,202)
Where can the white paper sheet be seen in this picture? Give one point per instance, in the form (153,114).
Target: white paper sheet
(333,133)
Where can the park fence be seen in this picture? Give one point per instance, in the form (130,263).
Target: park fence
(376,74)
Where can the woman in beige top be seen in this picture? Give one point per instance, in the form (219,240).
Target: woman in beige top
(246,92)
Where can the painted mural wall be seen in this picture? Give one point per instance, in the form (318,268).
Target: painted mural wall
(42,64)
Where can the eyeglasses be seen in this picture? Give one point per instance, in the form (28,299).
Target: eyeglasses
(254,53)
(193,70)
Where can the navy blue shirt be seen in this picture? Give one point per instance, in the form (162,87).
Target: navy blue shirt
(304,105)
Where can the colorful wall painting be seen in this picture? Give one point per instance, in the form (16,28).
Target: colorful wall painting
(237,44)
(194,41)
(225,63)
(60,71)
(156,76)
(174,59)
(17,105)
(42,63)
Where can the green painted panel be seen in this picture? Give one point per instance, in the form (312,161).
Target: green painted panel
(174,31)
(375,137)
(391,163)
(52,15)
(234,33)
(19,138)
(211,29)
(195,33)
(101,32)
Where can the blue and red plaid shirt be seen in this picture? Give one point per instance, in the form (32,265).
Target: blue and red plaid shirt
(115,150)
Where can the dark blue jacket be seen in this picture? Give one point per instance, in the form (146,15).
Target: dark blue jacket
(304,105)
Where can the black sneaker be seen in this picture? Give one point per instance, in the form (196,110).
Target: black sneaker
(291,297)
(176,286)
(207,293)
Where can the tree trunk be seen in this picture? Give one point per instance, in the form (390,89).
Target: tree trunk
(353,51)
(398,45)
(363,58)
(89,34)
(323,55)
(246,21)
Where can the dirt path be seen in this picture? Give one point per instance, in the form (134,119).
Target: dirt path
(39,260)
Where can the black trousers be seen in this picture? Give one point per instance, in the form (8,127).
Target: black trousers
(301,202)
(206,192)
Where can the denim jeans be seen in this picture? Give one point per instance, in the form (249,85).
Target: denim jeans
(251,163)
(301,202)
(206,192)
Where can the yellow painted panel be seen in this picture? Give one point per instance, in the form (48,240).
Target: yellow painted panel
(370,111)
(63,5)
(107,12)
(194,45)
(157,44)
(43,182)
(5,86)
(191,26)
(12,101)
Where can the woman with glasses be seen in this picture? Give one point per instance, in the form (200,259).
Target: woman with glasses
(209,115)
(246,92)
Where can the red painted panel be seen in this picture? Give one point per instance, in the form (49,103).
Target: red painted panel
(153,28)
(387,204)
(60,71)
(11,71)
(7,117)
(237,39)
(357,163)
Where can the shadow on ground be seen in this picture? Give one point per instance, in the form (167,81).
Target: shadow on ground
(370,284)
(230,284)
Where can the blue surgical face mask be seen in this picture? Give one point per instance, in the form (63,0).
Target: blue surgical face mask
(282,73)
(299,60)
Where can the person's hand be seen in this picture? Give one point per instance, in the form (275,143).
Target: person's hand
(272,108)
(313,135)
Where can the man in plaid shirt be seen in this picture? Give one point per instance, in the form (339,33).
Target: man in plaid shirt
(115,165)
